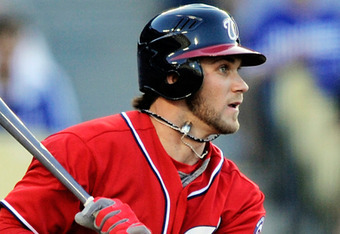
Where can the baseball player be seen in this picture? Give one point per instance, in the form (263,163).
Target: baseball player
(155,169)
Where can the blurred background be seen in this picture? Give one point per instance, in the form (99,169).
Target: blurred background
(64,62)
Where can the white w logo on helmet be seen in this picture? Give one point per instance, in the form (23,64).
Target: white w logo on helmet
(232,28)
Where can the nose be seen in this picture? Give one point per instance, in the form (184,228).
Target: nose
(239,85)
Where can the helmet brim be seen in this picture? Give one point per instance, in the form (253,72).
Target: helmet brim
(249,57)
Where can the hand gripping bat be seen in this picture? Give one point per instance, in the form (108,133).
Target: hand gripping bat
(13,125)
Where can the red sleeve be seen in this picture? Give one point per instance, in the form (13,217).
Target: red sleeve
(41,199)
(245,212)
(9,224)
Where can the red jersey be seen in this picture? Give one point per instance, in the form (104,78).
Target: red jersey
(121,156)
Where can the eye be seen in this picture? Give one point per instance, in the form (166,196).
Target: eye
(224,68)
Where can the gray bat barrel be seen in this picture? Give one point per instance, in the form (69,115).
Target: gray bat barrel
(13,125)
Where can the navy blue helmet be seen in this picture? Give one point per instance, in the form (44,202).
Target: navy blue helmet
(173,41)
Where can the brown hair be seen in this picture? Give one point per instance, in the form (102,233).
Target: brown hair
(144,101)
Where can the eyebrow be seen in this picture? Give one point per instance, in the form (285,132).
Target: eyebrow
(230,59)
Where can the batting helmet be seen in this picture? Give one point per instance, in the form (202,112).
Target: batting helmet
(173,40)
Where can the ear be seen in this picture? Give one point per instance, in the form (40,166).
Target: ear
(172,77)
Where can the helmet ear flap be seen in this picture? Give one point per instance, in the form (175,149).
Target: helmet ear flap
(172,77)
(183,81)
(173,80)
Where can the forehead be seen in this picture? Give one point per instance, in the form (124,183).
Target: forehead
(216,59)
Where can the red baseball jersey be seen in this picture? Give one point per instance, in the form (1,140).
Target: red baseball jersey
(120,156)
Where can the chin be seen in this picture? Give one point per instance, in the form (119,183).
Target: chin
(228,128)
(234,130)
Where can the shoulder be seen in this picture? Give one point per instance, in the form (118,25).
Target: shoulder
(92,128)
(243,208)
(239,182)
(238,187)
(230,175)
(88,130)
(98,135)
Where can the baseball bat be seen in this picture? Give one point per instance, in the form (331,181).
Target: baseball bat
(12,124)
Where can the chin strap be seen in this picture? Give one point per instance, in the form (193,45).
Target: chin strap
(185,129)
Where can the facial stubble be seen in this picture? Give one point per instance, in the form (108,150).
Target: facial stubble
(209,115)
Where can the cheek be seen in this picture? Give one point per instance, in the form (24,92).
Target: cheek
(212,100)
(217,91)
(215,88)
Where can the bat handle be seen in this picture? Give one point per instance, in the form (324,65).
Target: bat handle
(89,199)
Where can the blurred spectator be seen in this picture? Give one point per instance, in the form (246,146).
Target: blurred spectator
(307,31)
(31,82)
(299,100)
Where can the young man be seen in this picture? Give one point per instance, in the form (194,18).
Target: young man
(155,169)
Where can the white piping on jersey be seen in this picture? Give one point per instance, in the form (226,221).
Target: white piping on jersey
(18,216)
(141,145)
(212,177)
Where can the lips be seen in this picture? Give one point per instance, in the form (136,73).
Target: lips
(234,104)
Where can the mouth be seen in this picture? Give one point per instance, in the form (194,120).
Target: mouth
(234,105)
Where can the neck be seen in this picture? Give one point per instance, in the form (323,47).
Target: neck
(168,124)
